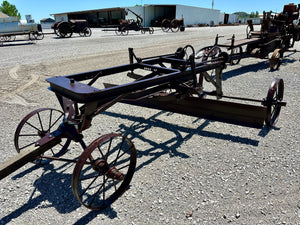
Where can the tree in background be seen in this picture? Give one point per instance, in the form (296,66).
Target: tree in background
(9,9)
(254,15)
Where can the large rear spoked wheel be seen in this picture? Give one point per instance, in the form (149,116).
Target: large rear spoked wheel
(103,171)
(274,102)
(35,126)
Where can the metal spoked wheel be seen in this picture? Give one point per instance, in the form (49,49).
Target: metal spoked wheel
(124,31)
(36,125)
(103,171)
(174,27)
(273,102)
(151,30)
(213,53)
(33,36)
(118,31)
(165,25)
(236,51)
(276,59)
(87,32)
(202,52)
(65,30)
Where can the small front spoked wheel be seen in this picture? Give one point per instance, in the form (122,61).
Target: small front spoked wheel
(103,171)
(35,126)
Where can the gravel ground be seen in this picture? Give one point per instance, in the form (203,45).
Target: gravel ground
(189,170)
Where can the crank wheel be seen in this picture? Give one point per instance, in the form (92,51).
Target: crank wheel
(103,171)
(236,51)
(36,125)
(273,100)
(276,59)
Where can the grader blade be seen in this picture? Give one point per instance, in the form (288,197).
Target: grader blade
(228,112)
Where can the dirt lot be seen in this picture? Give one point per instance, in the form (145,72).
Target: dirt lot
(189,170)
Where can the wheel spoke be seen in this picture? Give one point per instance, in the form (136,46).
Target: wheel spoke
(33,126)
(84,191)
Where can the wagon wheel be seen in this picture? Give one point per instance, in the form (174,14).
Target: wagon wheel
(174,26)
(33,36)
(202,52)
(165,25)
(212,54)
(64,30)
(124,31)
(12,37)
(40,35)
(276,59)
(36,125)
(151,30)
(118,31)
(87,32)
(103,171)
(274,97)
(236,51)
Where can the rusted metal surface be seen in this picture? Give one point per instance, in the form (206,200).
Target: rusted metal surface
(65,29)
(173,25)
(277,34)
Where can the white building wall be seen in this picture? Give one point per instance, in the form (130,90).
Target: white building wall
(233,18)
(195,15)
(61,17)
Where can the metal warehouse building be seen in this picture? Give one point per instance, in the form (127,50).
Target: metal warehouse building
(149,13)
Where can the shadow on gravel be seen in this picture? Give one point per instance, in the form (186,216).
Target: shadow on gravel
(53,187)
(54,190)
(140,125)
(254,68)
(15,43)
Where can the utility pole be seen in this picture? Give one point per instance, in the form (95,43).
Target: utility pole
(212,4)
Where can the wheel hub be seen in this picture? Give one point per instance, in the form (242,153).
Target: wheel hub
(101,166)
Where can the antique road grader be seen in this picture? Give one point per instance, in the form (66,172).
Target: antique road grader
(277,35)
(171,82)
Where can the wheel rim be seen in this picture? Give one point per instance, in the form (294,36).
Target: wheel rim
(276,59)
(212,54)
(103,171)
(87,32)
(274,97)
(236,51)
(36,125)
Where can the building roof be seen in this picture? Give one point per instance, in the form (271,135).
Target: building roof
(3,15)
(89,11)
(47,20)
